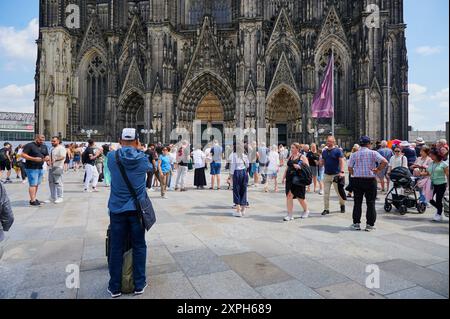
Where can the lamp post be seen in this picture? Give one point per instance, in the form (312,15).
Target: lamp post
(148,133)
(89,132)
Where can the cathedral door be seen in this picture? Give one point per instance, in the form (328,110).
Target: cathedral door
(131,113)
(283,113)
(210,113)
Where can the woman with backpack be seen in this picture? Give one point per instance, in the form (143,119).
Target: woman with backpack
(292,177)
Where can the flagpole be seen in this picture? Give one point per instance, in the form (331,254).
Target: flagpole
(389,123)
(332,95)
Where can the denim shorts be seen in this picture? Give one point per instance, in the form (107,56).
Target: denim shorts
(34,176)
(215,168)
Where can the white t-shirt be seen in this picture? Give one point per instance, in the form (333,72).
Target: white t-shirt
(274,161)
(21,159)
(58,152)
(398,161)
(199,158)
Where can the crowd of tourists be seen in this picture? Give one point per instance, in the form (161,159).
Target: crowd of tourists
(301,169)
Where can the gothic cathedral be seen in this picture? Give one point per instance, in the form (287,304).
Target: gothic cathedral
(162,64)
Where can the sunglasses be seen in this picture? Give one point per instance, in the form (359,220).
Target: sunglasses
(397,152)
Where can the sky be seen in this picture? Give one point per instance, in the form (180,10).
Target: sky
(427,41)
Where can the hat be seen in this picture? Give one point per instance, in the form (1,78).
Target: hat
(405,144)
(420,141)
(364,140)
(129,134)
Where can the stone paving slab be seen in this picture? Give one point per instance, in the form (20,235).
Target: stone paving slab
(415,293)
(197,242)
(443,268)
(307,271)
(427,278)
(200,262)
(292,289)
(356,271)
(256,270)
(348,290)
(227,285)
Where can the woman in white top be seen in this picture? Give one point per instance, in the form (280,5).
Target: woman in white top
(398,160)
(199,159)
(273,167)
(239,164)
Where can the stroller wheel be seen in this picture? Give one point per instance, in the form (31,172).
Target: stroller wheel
(403,210)
(388,207)
(421,208)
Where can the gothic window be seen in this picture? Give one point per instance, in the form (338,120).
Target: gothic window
(196,11)
(96,86)
(221,11)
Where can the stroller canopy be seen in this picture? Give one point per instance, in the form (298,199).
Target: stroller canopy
(401,176)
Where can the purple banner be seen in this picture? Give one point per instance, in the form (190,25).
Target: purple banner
(322,106)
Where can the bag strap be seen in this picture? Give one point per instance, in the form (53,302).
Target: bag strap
(127,181)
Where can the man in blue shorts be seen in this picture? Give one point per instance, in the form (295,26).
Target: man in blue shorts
(216,164)
(35,154)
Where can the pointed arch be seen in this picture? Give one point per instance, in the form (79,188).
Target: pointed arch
(93,39)
(92,89)
(374,112)
(283,112)
(197,88)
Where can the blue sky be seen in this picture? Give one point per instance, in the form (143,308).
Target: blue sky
(427,40)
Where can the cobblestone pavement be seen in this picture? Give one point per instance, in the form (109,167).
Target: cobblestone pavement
(197,250)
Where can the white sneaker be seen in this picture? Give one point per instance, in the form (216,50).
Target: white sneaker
(87,191)
(95,190)
(320,192)
(59,201)
(151,190)
(305,215)
(48,201)
(288,218)
(237,214)
(438,218)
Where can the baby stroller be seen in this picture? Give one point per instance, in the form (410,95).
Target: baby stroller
(401,177)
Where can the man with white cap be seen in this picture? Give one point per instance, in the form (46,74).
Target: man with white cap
(124,218)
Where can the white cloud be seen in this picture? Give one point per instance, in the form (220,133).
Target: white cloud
(417,92)
(428,50)
(428,111)
(14,98)
(442,97)
(19,44)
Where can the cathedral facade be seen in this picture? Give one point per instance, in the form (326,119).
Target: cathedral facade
(163,64)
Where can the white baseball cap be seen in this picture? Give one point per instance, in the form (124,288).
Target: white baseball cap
(129,134)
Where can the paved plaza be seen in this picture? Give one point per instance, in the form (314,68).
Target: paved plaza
(197,250)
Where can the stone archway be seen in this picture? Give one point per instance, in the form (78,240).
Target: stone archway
(131,112)
(211,113)
(283,112)
(197,89)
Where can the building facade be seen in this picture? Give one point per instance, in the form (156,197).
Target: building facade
(16,127)
(162,64)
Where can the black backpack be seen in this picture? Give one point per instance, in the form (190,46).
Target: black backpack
(303,177)
(85,156)
(3,156)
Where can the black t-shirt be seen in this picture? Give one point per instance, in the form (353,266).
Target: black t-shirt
(35,150)
(5,154)
(312,158)
(152,156)
(90,151)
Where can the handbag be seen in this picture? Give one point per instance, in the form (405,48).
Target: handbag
(144,206)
